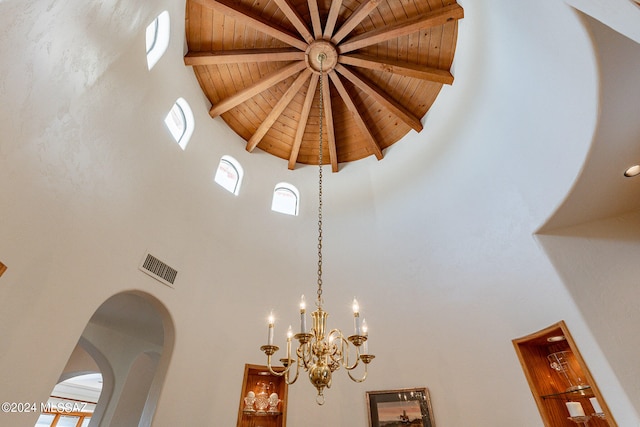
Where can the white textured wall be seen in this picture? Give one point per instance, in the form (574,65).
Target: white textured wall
(435,240)
(593,237)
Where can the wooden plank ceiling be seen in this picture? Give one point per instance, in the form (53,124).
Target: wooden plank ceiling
(258,64)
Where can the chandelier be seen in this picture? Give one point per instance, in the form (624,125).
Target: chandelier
(320,353)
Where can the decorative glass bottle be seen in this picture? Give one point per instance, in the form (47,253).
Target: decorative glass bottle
(565,365)
(262,398)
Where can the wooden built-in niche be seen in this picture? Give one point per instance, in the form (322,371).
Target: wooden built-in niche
(254,376)
(549,387)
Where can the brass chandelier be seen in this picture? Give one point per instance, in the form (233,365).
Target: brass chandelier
(319,352)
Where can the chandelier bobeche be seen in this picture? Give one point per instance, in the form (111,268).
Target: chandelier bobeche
(319,352)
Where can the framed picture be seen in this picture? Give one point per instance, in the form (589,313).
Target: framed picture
(399,408)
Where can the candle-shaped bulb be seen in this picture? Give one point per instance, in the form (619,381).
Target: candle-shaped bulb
(289,333)
(303,304)
(270,336)
(356,307)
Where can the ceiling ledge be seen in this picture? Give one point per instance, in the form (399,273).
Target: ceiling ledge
(601,190)
(620,15)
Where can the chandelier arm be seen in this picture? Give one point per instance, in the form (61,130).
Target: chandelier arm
(347,352)
(271,371)
(287,378)
(344,352)
(359,380)
(337,335)
(336,355)
(304,357)
(340,351)
(355,365)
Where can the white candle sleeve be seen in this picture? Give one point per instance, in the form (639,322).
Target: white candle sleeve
(356,316)
(596,406)
(575,409)
(303,315)
(270,338)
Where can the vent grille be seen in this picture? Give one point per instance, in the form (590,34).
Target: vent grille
(158,270)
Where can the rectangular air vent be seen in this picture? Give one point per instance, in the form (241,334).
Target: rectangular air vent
(158,270)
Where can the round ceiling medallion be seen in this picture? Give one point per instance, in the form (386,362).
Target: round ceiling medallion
(321,54)
(383,64)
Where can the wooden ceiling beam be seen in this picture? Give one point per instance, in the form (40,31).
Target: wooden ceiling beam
(328,117)
(294,17)
(275,112)
(258,87)
(351,106)
(332,18)
(354,19)
(242,56)
(302,123)
(381,97)
(437,17)
(316,24)
(396,67)
(240,13)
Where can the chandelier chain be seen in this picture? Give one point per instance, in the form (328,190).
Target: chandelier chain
(321,58)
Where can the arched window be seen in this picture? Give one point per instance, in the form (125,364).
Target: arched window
(180,122)
(157,38)
(285,199)
(229,174)
(78,395)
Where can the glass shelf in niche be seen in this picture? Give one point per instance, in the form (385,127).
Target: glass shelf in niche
(583,392)
(261,414)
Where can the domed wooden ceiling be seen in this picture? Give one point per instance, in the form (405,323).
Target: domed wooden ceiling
(257,62)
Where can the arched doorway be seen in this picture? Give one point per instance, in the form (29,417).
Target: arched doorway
(127,343)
